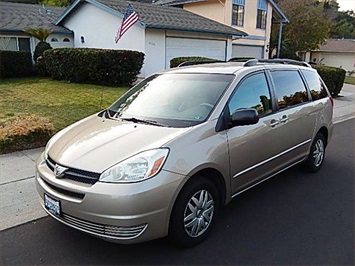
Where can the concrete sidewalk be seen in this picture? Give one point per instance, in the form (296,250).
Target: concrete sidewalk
(19,201)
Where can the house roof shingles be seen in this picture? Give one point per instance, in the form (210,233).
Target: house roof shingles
(169,18)
(338,45)
(16,17)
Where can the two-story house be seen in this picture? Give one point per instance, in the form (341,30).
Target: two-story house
(254,17)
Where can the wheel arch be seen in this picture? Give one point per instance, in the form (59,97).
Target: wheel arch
(324,131)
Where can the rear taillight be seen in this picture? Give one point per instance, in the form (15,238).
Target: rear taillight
(331,100)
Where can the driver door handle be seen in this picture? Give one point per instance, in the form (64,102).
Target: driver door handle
(274,123)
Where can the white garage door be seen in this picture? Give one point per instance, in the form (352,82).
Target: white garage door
(247,51)
(176,47)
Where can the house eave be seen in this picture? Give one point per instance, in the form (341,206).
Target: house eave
(227,34)
(281,16)
(7,31)
(76,4)
(330,51)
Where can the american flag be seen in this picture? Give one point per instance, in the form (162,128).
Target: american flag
(130,17)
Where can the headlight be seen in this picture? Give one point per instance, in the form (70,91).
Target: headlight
(136,168)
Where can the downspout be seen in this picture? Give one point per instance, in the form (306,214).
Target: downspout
(279,41)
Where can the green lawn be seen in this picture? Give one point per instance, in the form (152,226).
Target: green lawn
(61,102)
(350,80)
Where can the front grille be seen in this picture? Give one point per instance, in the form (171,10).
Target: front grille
(75,174)
(118,232)
(64,191)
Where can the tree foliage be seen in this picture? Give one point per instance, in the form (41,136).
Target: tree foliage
(39,33)
(343,26)
(308,28)
(56,2)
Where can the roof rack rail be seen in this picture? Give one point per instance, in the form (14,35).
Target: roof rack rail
(254,62)
(192,63)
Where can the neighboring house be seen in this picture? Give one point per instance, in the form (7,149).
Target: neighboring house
(251,16)
(335,52)
(162,33)
(16,17)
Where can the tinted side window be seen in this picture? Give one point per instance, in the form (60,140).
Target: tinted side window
(289,88)
(252,92)
(316,87)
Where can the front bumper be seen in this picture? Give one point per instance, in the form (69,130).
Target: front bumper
(123,213)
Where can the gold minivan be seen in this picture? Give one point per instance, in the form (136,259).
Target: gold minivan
(166,156)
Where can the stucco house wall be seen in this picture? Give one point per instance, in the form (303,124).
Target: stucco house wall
(100,32)
(221,11)
(97,23)
(342,60)
(334,52)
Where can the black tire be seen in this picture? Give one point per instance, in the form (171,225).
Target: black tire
(317,153)
(188,228)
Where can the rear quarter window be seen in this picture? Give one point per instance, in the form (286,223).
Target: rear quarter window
(316,86)
(289,88)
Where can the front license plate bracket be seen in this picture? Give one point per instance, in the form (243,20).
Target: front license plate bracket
(52,205)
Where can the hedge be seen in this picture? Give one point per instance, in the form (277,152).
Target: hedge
(179,60)
(15,64)
(95,66)
(240,59)
(333,77)
(24,132)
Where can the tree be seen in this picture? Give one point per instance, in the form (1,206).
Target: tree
(56,2)
(41,34)
(308,27)
(343,26)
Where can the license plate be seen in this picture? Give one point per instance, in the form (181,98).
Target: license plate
(52,205)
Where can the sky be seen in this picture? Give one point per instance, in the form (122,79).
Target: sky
(346,5)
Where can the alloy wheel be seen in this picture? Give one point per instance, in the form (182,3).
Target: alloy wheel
(318,153)
(198,213)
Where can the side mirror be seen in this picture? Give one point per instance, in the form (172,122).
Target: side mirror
(244,117)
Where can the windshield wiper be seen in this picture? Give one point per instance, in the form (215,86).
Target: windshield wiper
(143,121)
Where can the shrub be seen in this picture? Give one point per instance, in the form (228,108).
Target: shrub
(179,60)
(40,68)
(333,77)
(96,66)
(240,59)
(41,47)
(24,132)
(15,64)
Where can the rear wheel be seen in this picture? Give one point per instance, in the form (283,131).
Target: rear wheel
(194,212)
(316,156)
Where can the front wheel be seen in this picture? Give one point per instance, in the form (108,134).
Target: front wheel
(316,156)
(194,212)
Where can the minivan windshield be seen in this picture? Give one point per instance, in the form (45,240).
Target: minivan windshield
(177,100)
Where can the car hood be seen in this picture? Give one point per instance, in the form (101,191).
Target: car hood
(95,144)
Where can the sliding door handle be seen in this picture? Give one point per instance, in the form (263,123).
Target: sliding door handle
(284,119)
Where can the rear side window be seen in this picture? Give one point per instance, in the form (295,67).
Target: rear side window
(316,86)
(289,88)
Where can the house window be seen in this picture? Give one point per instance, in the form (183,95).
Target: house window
(15,44)
(262,14)
(8,44)
(24,44)
(238,12)
(54,40)
(66,40)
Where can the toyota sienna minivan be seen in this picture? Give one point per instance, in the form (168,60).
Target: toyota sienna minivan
(167,155)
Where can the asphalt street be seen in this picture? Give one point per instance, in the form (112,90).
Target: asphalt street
(294,218)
